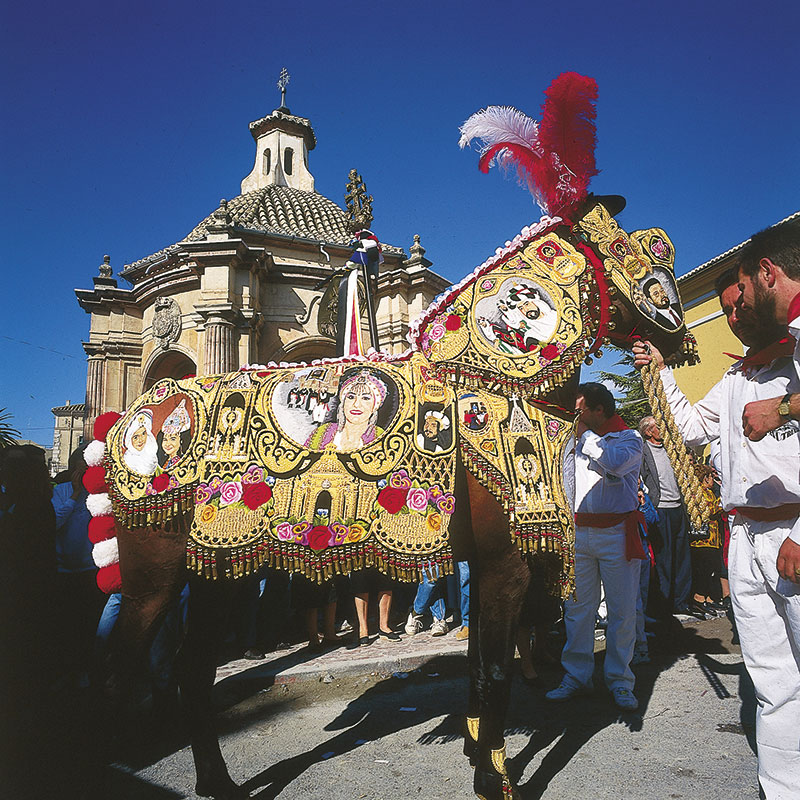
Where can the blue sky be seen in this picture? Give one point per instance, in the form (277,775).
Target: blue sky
(123,127)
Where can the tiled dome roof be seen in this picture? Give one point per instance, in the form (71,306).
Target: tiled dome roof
(279,210)
(285,211)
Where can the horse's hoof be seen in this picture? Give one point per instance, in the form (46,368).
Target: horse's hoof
(221,790)
(491,786)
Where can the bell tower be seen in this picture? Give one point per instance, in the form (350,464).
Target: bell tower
(283,142)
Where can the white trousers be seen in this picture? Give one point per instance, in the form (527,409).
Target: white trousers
(600,555)
(767,610)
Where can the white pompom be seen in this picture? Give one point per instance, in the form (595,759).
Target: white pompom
(94,452)
(99,505)
(106,553)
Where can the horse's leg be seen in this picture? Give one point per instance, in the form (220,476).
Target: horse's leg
(502,578)
(209,610)
(153,568)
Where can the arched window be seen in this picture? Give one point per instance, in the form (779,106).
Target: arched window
(267,161)
(288,154)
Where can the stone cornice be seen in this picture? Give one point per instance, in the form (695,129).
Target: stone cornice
(280,120)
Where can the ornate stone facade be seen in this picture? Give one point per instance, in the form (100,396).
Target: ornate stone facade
(243,286)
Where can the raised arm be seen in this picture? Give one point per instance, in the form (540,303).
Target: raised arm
(698,423)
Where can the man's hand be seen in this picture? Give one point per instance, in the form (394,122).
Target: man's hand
(789,561)
(644,353)
(760,417)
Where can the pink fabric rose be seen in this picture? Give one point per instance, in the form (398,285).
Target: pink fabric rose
(284,531)
(436,332)
(417,500)
(230,492)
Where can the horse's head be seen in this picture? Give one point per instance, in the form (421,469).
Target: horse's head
(527,317)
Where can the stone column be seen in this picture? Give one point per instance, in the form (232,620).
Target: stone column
(220,353)
(94,395)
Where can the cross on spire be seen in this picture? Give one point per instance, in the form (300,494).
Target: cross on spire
(283,81)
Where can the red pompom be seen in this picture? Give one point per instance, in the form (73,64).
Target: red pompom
(109,579)
(160,482)
(101,528)
(453,322)
(392,498)
(104,423)
(94,480)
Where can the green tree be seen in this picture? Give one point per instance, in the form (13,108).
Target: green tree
(633,404)
(8,434)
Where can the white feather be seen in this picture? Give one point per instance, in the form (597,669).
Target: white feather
(501,124)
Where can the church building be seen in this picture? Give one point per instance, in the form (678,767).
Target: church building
(243,287)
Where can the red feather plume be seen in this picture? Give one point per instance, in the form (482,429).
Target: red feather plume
(567,131)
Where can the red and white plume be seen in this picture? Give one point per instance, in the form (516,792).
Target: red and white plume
(553,158)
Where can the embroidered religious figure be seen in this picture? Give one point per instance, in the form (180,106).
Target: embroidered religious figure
(141,448)
(174,437)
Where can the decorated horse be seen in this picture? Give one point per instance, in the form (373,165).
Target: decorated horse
(462,444)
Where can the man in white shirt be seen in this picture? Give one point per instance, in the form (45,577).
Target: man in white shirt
(608,456)
(761,484)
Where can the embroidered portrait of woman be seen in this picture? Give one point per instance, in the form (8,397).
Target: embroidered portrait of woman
(360,397)
(141,448)
(174,437)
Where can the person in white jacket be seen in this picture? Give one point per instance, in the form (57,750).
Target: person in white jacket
(608,456)
(761,488)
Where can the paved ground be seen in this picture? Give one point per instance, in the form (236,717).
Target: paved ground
(383,722)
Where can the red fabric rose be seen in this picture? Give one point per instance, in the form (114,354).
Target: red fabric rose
(255,494)
(109,579)
(160,482)
(453,322)
(94,480)
(392,498)
(550,352)
(319,537)
(104,423)
(101,528)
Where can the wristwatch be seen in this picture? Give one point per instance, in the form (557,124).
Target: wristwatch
(784,408)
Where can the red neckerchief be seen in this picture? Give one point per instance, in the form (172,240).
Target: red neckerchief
(778,349)
(614,425)
(794,309)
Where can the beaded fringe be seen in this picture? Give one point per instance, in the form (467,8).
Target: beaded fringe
(319,566)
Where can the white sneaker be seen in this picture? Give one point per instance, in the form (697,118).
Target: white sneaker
(624,699)
(439,627)
(566,690)
(413,624)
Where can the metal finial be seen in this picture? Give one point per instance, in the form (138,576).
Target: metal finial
(358,202)
(283,82)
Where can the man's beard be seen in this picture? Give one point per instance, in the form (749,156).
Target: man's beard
(763,305)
